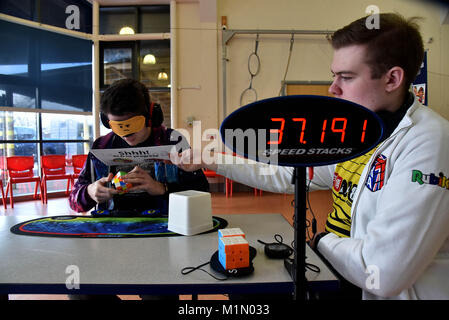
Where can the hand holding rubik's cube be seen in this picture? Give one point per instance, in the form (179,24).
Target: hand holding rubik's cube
(121,186)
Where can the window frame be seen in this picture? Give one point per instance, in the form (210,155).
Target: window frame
(133,45)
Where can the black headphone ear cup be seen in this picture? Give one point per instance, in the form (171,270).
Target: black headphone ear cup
(157,116)
(105,120)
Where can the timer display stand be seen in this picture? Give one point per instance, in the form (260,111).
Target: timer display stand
(303,131)
(299,223)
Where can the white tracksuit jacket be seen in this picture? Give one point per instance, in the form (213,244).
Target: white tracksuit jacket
(399,244)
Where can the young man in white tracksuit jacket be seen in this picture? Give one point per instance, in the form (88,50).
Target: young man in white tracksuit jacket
(398,236)
(399,233)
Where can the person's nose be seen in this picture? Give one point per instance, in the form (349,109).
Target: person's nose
(335,90)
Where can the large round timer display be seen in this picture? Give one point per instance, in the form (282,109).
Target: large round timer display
(301,130)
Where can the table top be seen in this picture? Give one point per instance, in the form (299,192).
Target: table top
(150,265)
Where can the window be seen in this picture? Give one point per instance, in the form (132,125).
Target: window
(61,13)
(18,133)
(117,59)
(60,134)
(57,13)
(51,76)
(23,96)
(14,61)
(65,73)
(46,77)
(122,60)
(75,127)
(24,9)
(54,67)
(112,19)
(143,60)
(149,72)
(154,19)
(142,19)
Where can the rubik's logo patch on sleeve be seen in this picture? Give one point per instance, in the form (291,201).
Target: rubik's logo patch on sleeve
(422,178)
(376,175)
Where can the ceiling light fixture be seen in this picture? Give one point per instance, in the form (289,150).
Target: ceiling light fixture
(126,30)
(162,75)
(149,59)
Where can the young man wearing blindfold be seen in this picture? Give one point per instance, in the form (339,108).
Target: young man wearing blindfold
(135,122)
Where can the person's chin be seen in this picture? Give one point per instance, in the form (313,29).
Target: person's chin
(131,139)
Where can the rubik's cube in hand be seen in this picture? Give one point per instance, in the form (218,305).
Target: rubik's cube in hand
(119,184)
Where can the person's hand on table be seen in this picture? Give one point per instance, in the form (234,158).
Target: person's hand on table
(99,191)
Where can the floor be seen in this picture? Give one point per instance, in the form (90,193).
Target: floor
(239,203)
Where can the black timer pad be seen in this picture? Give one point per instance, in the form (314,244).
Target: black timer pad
(216,265)
(277,250)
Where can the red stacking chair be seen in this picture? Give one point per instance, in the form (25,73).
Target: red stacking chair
(228,186)
(229,182)
(3,194)
(53,167)
(20,170)
(78,161)
(2,168)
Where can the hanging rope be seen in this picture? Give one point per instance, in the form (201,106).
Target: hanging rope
(292,41)
(252,73)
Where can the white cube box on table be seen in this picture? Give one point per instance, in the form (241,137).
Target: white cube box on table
(190,212)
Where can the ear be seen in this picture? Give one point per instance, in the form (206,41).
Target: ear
(105,120)
(394,79)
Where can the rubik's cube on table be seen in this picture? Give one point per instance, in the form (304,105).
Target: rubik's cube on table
(119,184)
(233,248)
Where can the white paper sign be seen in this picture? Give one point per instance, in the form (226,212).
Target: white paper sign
(131,156)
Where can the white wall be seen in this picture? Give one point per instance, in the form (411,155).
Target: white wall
(200,52)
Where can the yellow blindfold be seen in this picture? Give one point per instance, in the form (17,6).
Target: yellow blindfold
(127,127)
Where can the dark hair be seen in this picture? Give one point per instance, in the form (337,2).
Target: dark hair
(397,42)
(125,96)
